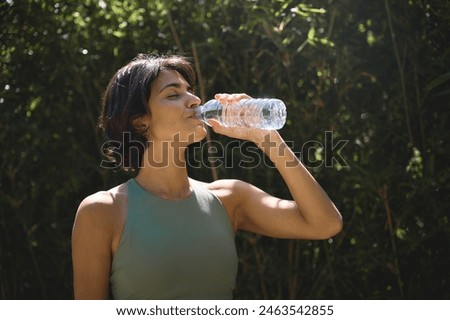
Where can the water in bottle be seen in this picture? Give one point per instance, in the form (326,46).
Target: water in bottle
(269,114)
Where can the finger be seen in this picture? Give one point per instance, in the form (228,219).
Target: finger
(221,129)
(231,97)
(223,98)
(232,132)
(215,125)
(240,96)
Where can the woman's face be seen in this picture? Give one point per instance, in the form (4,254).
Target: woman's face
(172,104)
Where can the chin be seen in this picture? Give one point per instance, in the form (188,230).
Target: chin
(199,133)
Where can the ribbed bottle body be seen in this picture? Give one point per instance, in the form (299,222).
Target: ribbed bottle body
(268,114)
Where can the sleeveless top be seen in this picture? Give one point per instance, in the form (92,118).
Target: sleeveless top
(174,249)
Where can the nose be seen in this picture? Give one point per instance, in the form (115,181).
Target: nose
(194,101)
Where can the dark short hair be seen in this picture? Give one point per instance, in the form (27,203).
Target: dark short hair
(126,99)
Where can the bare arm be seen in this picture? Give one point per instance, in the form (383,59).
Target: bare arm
(91,248)
(311,215)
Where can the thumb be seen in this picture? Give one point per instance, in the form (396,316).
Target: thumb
(215,125)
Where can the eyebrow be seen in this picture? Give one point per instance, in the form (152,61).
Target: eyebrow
(174,85)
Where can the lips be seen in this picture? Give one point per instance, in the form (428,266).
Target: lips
(191,115)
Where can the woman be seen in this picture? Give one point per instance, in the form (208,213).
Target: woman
(163,235)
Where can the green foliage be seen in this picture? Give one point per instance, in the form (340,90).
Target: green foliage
(374,73)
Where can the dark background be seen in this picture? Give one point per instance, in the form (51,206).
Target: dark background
(373,73)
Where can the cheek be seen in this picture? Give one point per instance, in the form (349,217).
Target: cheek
(161,130)
(170,130)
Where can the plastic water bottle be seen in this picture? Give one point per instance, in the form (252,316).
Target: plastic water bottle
(269,114)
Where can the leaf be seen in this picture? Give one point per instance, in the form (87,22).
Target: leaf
(437,82)
(311,33)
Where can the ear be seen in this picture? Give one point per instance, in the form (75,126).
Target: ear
(141,124)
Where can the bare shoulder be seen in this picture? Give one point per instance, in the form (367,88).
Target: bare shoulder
(102,209)
(228,187)
(232,194)
(231,191)
(235,193)
(95,235)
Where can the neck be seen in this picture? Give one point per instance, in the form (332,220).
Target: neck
(164,171)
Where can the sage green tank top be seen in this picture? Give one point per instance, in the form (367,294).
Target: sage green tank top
(181,249)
